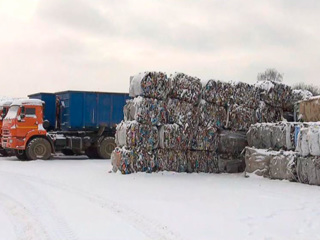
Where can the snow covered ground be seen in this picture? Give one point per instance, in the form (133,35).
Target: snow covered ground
(64,199)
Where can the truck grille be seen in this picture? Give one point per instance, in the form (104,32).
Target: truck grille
(5,132)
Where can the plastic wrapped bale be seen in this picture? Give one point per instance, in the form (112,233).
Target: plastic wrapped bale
(232,142)
(278,136)
(275,94)
(150,84)
(123,160)
(253,136)
(302,142)
(205,139)
(197,161)
(145,111)
(313,138)
(258,161)
(241,118)
(185,88)
(229,163)
(126,134)
(182,113)
(283,166)
(246,94)
(308,170)
(219,93)
(212,115)
(265,113)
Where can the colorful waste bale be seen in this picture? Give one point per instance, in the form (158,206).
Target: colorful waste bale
(123,159)
(275,94)
(219,93)
(247,95)
(171,160)
(186,88)
(150,84)
(266,113)
(202,161)
(173,136)
(132,134)
(308,170)
(212,115)
(182,113)
(149,111)
(241,117)
(204,139)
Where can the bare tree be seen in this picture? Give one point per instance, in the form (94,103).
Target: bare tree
(311,88)
(270,74)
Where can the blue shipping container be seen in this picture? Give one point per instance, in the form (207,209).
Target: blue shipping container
(89,110)
(49,108)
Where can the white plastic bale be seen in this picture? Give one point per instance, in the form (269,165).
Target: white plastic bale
(302,142)
(150,84)
(185,88)
(308,170)
(231,142)
(314,140)
(283,166)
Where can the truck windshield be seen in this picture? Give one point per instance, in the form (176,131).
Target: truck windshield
(12,113)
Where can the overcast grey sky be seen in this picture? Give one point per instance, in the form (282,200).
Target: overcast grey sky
(95,45)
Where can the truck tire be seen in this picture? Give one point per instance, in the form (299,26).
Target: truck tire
(3,152)
(21,155)
(38,148)
(106,147)
(92,153)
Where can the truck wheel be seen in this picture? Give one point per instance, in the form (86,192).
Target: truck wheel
(38,148)
(106,147)
(92,153)
(3,152)
(21,154)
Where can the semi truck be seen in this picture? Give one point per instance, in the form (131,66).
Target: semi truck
(71,122)
(4,107)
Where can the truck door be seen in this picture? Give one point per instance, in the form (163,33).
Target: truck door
(28,119)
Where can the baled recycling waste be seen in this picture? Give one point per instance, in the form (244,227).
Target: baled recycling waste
(184,125)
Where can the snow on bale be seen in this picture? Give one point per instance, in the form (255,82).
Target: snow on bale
(258,161)
(308,170)
(185,88)
(300,95)
(145,111)
(212,115)
(275,94)
(283,166)
(150,84)
(247,95)
(182,113)
(219,93)
(241,117)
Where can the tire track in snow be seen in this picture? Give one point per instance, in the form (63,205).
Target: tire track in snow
(150,228)
(42,209)
(25,224)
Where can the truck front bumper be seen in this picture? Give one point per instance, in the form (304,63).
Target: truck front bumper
(13,143)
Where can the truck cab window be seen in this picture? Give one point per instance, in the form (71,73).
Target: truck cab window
(12,113)
(30,111)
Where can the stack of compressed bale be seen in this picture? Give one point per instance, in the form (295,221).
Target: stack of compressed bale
(308,148)
(163,129)
(285,150)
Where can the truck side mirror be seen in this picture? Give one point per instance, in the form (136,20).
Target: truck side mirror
(23,114)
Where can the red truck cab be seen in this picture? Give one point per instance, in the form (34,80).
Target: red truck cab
(23,131)
(4,107)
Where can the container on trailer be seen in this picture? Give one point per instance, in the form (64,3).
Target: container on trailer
(49,112)
(89,110)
